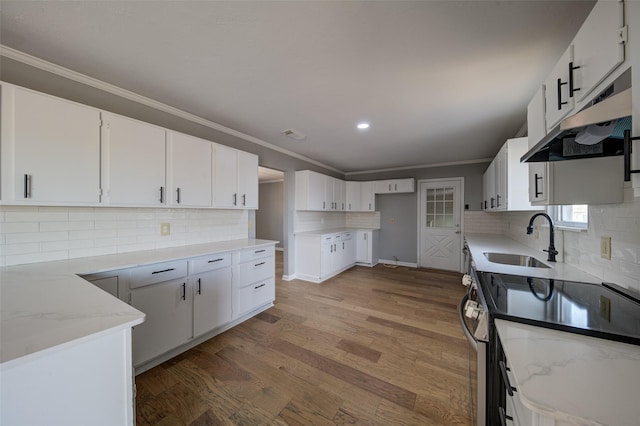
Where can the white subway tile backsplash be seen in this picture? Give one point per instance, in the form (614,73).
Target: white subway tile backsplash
(36,234)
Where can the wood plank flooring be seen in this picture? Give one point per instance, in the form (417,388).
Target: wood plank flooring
(373,346)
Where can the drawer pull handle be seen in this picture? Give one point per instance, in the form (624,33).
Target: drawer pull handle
(164,270)
(184,291)
(199,285)
(259,251)
(507,384)
(259,286)
(215,260)
(27,186)
(259,264)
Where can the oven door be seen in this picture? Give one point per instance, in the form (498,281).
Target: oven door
(477,348)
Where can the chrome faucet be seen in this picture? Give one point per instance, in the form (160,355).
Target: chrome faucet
(552,248)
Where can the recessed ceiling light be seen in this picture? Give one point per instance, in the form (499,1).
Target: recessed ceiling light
(363,126)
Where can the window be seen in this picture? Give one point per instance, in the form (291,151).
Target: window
(571,216)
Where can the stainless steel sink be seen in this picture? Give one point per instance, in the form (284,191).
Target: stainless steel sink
(515,259)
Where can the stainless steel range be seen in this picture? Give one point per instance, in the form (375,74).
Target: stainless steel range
(599,310)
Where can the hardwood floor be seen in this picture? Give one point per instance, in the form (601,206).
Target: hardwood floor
(375,346)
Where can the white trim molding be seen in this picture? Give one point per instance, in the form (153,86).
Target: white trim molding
(398,263)
(61,71)
(423,166)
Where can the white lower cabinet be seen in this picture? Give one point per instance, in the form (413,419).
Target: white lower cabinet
(167,306)
(365,245)
(255,285)
(322,256)
(211,300)
(190,300)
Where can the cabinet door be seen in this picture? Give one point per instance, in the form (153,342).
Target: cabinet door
(368,197)
(167,324)
(382,186)
(353,195)
(135,162)
(247,180)
(489,180)
(211,300)
(189,171)
(500,173)
(363,246)
(329,194)
(536,123)
(538,183)
(328,249)
(598,48)
(339,189)
(56,149)
(404,185)
(558,103)
(225,180)
(348,254)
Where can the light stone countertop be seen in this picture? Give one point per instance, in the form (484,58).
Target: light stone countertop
(573,378)
(480,243)
(334,231)
(47,306)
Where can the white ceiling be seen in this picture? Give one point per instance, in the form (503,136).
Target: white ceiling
(439,81)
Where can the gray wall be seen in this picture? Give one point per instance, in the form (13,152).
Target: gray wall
(398,212)
(270,215)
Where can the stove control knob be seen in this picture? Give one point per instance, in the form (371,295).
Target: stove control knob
(466,280)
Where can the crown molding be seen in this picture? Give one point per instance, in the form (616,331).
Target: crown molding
(61,71)
(423,166)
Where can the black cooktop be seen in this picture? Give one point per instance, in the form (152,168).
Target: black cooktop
(597,310)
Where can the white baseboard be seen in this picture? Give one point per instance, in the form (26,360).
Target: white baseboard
(288,277)
(279,248)
(394,262)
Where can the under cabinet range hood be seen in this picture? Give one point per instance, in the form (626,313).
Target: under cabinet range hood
(595,131)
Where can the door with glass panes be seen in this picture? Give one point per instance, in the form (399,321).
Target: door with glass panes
(440,230)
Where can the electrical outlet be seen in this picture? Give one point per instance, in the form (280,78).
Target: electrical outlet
(605,248)
(165,229)
(392,220)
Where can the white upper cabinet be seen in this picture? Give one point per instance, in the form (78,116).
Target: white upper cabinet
(367,197)
(247,180)
(235,181)
(339,195)
(507,179)
(598,48)
(133,162)
(536,121)
(189,168)
(50,149)
(353,195)
(394,186)
(558,103)
(310,191)
(225,176)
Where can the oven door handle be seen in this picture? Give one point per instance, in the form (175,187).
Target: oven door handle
(472,341)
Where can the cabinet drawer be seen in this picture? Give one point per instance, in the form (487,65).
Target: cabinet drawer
(255,295)
(158,273)
(256,270)
(210,263)
(247,255)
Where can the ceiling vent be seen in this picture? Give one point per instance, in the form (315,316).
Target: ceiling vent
(295,134)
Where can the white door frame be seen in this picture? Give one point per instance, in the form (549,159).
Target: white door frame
(419,203)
